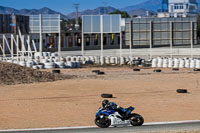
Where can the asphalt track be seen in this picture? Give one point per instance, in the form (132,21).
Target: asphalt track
(146,128)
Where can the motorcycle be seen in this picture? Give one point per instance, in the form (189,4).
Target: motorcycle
(109,117)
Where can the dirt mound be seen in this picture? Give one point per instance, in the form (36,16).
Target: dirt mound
(11,74)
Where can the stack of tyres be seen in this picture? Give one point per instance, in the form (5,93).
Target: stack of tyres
(165,63)
(122,61)
(187,63)
(182,63)
(197,63)
(59,64)
(176,63)
(170,62)
(192,63)
(160,62)
(68,64)
(107,60)
(154,62)
(49,65)
(29,63)
(22,63)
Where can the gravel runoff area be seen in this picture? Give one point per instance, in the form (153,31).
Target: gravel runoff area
(73,102)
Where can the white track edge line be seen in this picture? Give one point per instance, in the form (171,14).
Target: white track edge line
(85,127)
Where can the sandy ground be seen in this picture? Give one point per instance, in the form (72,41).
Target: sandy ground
(74,102)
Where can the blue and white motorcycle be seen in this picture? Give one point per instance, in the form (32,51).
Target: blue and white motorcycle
(109,117)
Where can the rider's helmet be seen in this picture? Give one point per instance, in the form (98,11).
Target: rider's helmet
(104,103)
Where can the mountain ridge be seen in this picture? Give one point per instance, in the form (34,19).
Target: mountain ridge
(44,10)
(140,10)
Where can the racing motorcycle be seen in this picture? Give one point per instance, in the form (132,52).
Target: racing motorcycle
(109,117)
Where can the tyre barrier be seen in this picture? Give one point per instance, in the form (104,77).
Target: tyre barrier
(40,66)
(197,64)
(170,63)
(158,62)
(15,62)
(127,59)
(106,95)
(78,65)
(165,63)
(154,63)
(46,57)
(29,64)
(49,65)
(68,64)
(182,63)
(192,63)
(181,91)
(44,60)
(9,61)
(36,62)
(60,64)
(54,54)
(175,63)
(22,63)
(45,54)
(187,63)
(37,54)
(122,61)
(34,67)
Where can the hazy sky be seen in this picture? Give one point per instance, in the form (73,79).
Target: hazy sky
(66,6)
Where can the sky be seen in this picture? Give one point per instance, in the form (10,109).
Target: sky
(66,6)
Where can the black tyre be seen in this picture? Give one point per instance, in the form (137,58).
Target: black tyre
(96,71)
(175,69)
(181,91)
(136,69)
(102,122)
(136,119)
(196,70)
(106,95)
(157,70)
(55,71)
(100,73)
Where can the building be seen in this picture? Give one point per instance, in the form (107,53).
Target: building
(9,23)
(182,8)
(45,31)
(178,8)
(158,32)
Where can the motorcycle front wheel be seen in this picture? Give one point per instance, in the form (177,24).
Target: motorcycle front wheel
(102,122)
(136,119)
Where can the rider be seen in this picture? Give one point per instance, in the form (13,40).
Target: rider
(111,105)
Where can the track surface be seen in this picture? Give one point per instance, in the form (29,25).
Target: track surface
(146,128)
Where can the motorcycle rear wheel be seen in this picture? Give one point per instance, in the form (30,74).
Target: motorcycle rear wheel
(136,119)
(102,122)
